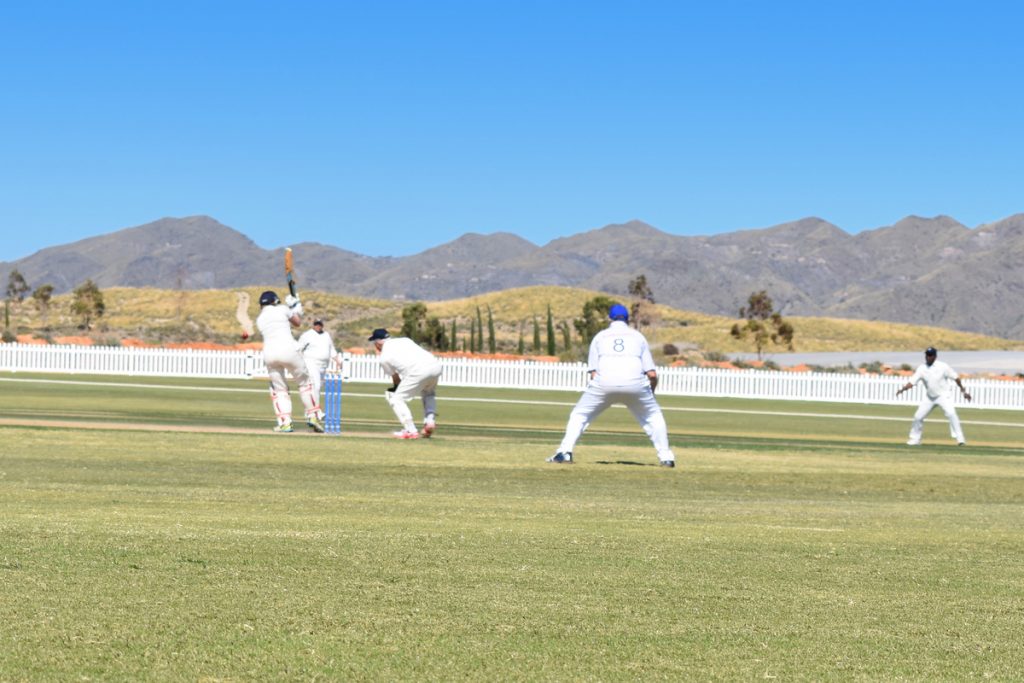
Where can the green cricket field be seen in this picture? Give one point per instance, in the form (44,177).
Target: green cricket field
(155,529)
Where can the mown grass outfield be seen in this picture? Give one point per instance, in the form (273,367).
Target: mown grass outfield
(160,532)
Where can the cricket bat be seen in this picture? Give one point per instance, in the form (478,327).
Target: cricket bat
(289,271)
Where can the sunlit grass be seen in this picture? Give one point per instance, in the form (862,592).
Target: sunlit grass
(801,547)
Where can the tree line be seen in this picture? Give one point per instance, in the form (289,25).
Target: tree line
(565,337)
(760,323)
(86,302)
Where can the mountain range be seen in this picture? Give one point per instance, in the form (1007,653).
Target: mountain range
(931,271)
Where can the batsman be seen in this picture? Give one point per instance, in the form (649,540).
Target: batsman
(281,355)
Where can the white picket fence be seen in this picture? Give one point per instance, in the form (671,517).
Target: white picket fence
(467,372)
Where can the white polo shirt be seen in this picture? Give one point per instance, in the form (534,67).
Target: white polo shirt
(938,379)
(317,347)
(620,355)
(404,356)
(274,323)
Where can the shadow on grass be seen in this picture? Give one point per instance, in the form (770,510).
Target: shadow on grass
(623,462)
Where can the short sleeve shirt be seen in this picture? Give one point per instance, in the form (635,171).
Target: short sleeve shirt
(405,357)
(620,355)
(274,323)
(938,378)
(317,347)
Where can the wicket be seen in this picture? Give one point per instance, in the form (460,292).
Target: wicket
(332,403)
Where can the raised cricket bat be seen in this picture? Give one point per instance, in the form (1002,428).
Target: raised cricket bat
(289,271)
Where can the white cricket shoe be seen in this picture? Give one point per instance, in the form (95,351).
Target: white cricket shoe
(405,434)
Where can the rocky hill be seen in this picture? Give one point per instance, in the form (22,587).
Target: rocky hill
(931,271)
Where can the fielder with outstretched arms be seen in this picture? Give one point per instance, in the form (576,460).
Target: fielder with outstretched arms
(318,350)
(281,355)
(938,379)
(621,370)
(414,371)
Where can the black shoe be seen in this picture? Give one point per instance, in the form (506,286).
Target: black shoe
(561,457)
(667,463)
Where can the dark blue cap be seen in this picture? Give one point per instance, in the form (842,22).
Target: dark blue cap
(379,333)
(618,312)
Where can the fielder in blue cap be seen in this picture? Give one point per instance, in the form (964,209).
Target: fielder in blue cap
(621,371)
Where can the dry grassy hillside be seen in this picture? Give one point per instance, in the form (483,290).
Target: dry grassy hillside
(162,316)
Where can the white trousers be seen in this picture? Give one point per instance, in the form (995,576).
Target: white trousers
(640,401)
(421,383)
(316,371)
(927,405)
(282,361)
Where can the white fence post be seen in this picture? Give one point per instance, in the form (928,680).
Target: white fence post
(515,374)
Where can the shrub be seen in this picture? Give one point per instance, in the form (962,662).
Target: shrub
(874,367)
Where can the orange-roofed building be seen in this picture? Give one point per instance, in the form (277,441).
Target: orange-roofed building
(74,341)
(723,365)
(29,339)
(136,343)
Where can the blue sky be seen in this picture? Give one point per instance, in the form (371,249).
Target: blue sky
(391,127)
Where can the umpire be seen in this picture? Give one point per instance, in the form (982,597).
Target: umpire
(621,371)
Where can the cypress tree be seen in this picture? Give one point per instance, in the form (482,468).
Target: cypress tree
(551,334)
(479,331)
(492,344)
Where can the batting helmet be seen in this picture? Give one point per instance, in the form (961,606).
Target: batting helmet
(618,312)
(269,298)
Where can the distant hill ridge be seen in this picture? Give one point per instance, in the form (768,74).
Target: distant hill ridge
(929,271)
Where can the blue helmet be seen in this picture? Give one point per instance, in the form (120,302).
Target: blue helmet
(618,312)
(269,298)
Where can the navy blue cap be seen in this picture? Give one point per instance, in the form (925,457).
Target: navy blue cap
(618,312)
(379,333)
(930,351)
